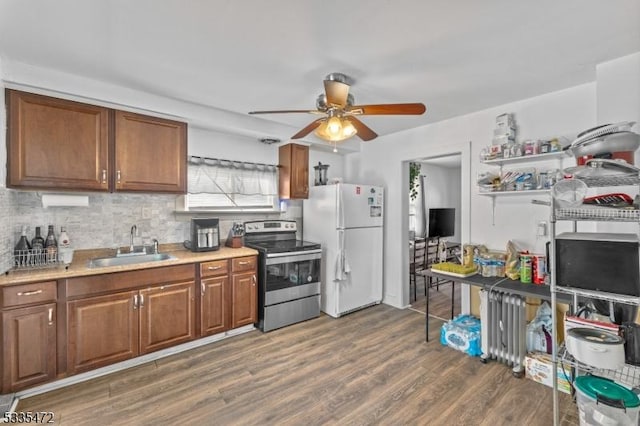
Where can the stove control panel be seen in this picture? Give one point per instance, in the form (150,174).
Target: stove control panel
(271,226)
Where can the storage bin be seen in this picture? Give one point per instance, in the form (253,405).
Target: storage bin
(604,402)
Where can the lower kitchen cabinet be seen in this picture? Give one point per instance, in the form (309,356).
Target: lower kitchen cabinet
(109,318)
(101,331)
(167,316)
(107,329)
(244,291)
(213,308)
(244,299)
(28,346)
(228,300)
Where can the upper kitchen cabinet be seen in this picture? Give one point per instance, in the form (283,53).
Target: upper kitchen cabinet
(55,143)
(294,171)
(64,145)
(150,154)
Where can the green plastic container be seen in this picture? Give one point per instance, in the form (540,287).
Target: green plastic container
(604,402)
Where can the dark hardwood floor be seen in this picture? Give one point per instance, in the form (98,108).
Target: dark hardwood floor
(369,367)
(439,300)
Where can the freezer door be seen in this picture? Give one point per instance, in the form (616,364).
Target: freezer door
(360,205)
(362,283)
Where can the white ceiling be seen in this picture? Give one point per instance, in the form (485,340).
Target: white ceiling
(241,55)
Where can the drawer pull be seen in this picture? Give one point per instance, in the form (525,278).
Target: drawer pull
(213,268)
(50,316)
(244,262)
(29,293)
(135,301)
(142,300)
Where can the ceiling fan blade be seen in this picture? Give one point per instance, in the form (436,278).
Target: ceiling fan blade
(364,132)
(388,109)
(308,129)
(286,111)
(337,92)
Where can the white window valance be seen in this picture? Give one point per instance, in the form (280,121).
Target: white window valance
(225,184)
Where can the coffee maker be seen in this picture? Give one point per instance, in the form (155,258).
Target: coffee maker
(205,235)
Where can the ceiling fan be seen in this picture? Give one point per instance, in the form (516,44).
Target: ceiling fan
(339,120)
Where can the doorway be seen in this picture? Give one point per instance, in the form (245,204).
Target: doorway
(437,187)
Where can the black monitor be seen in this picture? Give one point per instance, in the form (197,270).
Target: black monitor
(442,222)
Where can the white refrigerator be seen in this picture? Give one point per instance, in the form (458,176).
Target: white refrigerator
(347,220)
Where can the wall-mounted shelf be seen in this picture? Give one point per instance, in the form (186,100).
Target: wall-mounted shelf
(527,158)
(507,193)
(494,194)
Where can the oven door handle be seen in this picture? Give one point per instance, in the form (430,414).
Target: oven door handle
(280,258)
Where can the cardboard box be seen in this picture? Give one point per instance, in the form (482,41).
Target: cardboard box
(539,368)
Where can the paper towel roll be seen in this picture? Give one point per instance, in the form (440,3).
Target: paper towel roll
(65,200)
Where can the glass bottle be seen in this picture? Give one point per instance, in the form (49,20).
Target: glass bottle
(21,249)
(64,246)
(37,247)
(63,238)
(51,246)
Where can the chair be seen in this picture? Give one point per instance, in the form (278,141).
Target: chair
(418,264)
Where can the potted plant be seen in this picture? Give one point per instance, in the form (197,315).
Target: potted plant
(414,172)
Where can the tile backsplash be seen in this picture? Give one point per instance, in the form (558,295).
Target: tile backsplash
(108,220)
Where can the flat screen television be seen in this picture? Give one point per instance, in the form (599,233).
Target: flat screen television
(442,222)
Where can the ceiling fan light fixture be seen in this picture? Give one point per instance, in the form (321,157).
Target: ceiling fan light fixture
(346,130)
(334,126)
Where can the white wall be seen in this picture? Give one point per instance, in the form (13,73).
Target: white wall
(443,189)
(618,99)
(383,162)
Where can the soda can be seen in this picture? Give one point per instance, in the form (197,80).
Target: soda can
(526,261)
(539,267)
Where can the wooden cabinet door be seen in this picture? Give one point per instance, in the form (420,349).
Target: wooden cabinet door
(244,299)
(101,330)
(28,347)
(293,174)
(56,144)
(150,154)
(299,171)
(213,307)
(167,316)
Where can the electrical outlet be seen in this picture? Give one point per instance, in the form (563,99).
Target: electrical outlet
(146,212)
(542,228)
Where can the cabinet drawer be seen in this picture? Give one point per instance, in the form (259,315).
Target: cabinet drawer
(215,267)
(240,264)
(28,294)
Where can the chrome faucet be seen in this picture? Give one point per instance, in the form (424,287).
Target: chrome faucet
(155,246)
(134,231)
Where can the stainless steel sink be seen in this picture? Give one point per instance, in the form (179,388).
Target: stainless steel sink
(101,262)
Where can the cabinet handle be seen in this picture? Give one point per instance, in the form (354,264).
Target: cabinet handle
(135,301)
(104,175)
(50,316)
(244,263)
(142,300)
(29,293)
(213,268)
(202,288)
(118,176)
(253,278)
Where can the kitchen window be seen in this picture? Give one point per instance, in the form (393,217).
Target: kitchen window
(226,185)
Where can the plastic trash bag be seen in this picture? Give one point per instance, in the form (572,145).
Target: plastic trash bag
(539,330)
